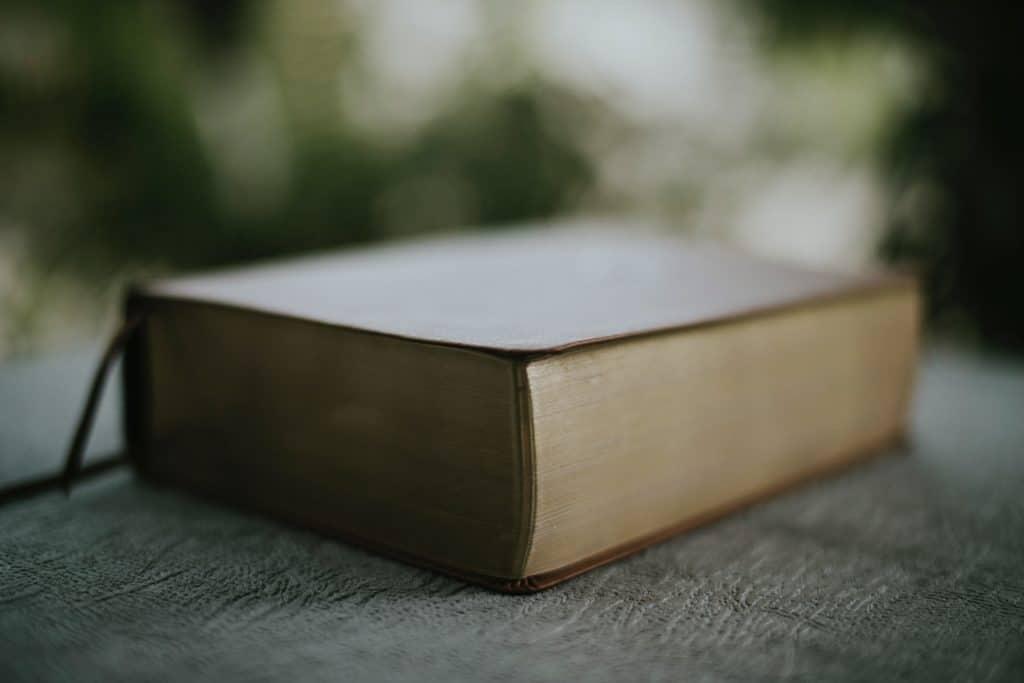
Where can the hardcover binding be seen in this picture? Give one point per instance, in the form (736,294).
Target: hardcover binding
(539,582)
(129,341)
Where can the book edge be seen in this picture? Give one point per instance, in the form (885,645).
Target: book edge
(865,285)
(527,466)
(894,443)
(136,426)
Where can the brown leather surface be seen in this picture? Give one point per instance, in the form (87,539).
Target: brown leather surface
(520,291)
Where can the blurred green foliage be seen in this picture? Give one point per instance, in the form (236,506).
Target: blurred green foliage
(108,160)
(116,107)
(956,156)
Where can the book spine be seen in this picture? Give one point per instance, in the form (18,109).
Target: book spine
(136,392)
(527,466)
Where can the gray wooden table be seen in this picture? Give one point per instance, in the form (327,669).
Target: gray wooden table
(909,567)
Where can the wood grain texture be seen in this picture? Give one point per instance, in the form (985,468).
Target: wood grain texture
(908,568)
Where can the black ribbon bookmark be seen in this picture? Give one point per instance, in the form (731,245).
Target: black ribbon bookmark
(76,452)
(74,469)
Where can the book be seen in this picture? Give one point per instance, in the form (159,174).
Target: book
(518,407)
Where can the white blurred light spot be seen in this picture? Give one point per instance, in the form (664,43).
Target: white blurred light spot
(649,58)
(814,213)
(415,53)
(241,123)
(418,45)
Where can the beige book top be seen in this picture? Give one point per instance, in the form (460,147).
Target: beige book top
(524,291)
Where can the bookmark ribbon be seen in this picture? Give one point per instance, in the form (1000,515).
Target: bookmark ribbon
(76,451)
(74,466)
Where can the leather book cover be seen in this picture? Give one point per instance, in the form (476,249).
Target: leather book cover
(521,291)
(521,295)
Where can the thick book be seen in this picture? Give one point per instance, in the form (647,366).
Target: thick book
(515,408)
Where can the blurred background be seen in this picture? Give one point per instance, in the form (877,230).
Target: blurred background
(146,137)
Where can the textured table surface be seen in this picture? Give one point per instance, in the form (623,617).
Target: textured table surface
(908,567)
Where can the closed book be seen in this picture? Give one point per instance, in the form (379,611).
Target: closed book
(518,407)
